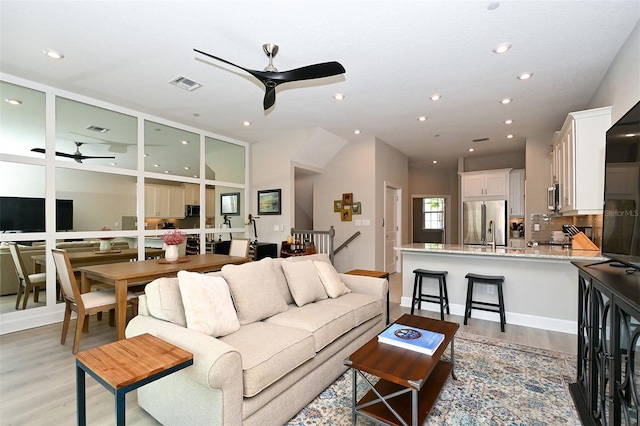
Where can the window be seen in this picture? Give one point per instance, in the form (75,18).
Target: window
(433,213)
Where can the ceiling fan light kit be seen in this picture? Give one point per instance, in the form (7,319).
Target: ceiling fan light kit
(271,77)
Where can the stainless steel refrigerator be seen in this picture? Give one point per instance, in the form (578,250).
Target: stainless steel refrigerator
(483,221)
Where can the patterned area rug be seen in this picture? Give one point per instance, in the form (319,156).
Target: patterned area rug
(499,383)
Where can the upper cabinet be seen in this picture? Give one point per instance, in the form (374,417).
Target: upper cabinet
(163,201)
(487,184)
(192,194)
(578,161)
(516,193)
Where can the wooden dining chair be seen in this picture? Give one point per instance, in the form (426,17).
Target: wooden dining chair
(26,282)
(239,247)
(83,304)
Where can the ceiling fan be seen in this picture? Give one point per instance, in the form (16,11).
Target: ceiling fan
(271,77)
(78,156)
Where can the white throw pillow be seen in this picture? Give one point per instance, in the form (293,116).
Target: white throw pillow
(207,304)
(303,281)
(254,290)
(164,300)
(330,279)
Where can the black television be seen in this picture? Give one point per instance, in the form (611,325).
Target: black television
(621,213)
(25,214)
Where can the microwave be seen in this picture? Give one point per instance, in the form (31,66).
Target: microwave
(191,210)
(553,197)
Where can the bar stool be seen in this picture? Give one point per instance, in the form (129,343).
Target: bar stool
(484,306)
(418,296)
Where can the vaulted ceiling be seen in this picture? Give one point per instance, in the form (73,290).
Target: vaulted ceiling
(397,54)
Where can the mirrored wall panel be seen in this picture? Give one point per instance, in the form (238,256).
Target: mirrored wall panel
(171,151)
(91,135)
(92,201)
(224,161)
(22,120)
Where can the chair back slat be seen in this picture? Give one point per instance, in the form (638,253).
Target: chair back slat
(65,274)
(23,277)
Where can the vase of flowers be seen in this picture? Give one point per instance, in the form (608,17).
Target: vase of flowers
(105,242)
(172,240)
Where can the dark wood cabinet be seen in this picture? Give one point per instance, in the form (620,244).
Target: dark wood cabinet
(607,391)
(259,251)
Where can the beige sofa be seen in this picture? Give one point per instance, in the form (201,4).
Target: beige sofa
(8,276)
(288,346)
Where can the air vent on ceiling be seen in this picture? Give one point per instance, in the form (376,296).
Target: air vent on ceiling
(480,140)
(97,129)
(185,83)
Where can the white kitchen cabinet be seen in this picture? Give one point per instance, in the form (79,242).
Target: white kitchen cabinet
(578,161)
(210,202)
(163,201)
(486,184)
(516,193)
(516,243)
(192,194)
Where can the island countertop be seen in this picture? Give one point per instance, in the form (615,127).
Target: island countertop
(539,252)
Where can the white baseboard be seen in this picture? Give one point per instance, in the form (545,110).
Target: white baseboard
(542,323)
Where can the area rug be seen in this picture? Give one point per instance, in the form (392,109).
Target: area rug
(499,383)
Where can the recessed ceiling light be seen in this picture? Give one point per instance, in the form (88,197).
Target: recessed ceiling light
(146,155)
(156,165)
(509,136)
(357,132)
(338,96)
(525,76)
(502,48)
(166,171)
(186,167)
(246,123)
(493,5)
(195,176)
(13,101)
(435,97)
(53,54)
(114,164)
(422,118)
(435,161)
(184,142)
(508,121)
(471,149)
(506,101)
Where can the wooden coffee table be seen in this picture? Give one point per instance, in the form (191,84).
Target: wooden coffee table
(125,365)
(410,382)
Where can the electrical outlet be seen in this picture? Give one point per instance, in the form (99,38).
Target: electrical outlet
(276,228)
(536,226)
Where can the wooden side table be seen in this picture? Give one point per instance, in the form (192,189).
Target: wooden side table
(374,274)
(125,365)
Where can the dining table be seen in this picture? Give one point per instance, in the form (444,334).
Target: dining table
(125,274)
(96,257)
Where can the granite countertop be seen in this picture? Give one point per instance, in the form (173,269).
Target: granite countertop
(540,252)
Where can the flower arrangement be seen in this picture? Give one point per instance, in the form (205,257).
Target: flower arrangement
(104,228)
(174,238)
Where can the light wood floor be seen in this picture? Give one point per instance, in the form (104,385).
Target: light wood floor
(37,374)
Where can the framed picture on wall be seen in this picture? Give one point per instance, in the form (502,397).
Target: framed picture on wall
(337,206)
(345,214)
(356,208)
(230,203)
(269,202)
(347,199)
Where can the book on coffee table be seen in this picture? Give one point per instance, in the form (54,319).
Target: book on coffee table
(413,338)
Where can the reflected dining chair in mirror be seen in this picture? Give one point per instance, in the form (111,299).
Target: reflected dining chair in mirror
(239,247)
(83,304)
(26,282)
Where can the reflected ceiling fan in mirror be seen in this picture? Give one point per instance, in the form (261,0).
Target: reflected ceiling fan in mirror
(77,156)
(271,77)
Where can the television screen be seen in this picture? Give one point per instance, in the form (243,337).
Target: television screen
(621,215)
(23,214)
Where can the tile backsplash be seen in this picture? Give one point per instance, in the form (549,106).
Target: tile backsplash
(543,224)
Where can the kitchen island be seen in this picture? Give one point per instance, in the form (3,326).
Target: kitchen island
(540,288)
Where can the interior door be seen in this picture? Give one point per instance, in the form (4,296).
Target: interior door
(391,239)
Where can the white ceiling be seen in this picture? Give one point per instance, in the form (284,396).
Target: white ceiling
(396,54)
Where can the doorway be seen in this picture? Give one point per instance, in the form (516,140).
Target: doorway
(392,215)
(430,216)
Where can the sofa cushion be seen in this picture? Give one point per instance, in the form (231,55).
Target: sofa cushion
(364,306)
(281,281)
(164,300)
(269,351)
(207,304)
(254,290)
(304,282)
(330,279)
(325,322)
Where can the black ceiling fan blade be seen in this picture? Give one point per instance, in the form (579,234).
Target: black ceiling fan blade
(73,156)
(310,72)
(256,74)
(89,157)
(269,97)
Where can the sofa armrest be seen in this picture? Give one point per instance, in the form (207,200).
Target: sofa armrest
(216,364)
(366,285)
